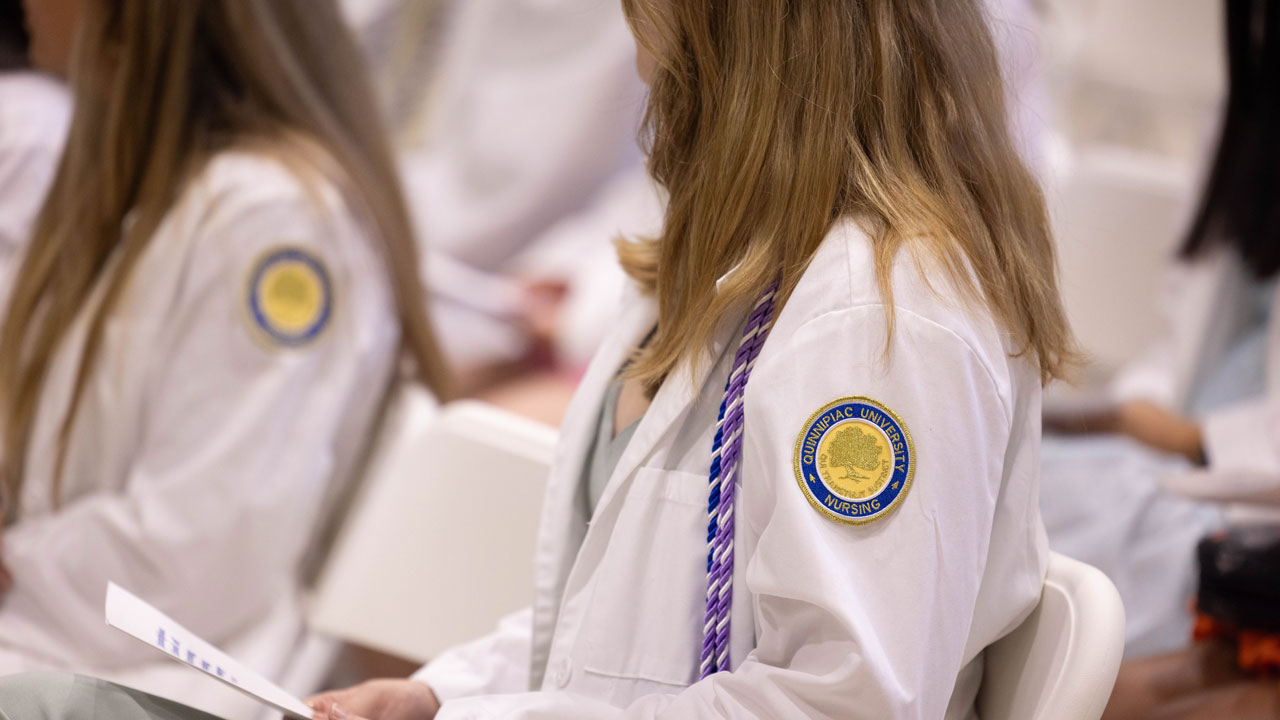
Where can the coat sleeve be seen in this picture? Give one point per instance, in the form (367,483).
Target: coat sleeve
(871,621)
(1245,438)
(1242,440)
(235,451)
(495,664)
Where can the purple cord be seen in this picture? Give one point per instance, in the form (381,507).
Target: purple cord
(725,454)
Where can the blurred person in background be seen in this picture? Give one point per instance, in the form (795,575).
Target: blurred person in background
(517,125)
(1200,409)
(35,110)
(202,332)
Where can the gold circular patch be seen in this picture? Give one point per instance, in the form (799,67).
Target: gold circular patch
(290,299)
(855,460)
(292,296)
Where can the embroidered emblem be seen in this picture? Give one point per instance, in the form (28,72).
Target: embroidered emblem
(855,460)
(290,300)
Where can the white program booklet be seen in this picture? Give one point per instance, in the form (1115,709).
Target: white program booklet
(129,614)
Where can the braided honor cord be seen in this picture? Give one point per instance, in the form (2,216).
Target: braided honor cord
(725,455)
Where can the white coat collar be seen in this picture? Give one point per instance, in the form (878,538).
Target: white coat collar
(564,521)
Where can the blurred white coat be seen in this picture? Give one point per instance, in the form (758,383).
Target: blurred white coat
(202,452)
(532,115)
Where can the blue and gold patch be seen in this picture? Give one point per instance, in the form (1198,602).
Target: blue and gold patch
(290,299)
(854,460)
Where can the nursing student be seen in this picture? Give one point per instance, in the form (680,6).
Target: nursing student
(35,110)
(1198,410)
(800,479)
(217,295)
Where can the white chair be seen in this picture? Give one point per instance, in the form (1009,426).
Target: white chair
(440,543)
(1061,662)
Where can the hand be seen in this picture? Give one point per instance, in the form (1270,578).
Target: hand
(377,700)
(1161,429)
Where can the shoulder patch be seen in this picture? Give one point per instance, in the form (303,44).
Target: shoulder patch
(855,460)
(289,298)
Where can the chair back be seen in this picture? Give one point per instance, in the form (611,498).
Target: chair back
(1061,662)
(439,545)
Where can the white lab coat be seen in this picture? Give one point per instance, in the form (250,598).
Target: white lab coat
(201,453)
(35,112)
(1106,499)
(535,111)
(887,620)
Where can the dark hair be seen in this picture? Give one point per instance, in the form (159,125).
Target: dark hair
(13,35)
(1241,203)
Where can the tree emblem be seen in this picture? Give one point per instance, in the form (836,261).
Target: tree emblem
(854,450)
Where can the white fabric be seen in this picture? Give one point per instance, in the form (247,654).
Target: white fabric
(493,664)
(200,452)
(35,112)
(887,620)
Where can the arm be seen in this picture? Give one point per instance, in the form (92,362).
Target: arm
(1245,437)
(235,454)
(852,622)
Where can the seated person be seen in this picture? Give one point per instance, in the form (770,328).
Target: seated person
(211,310)
(878,607)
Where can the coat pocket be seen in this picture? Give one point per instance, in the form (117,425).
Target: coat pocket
(646,611)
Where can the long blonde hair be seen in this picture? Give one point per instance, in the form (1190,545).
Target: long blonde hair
(160,88)
(770,120)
